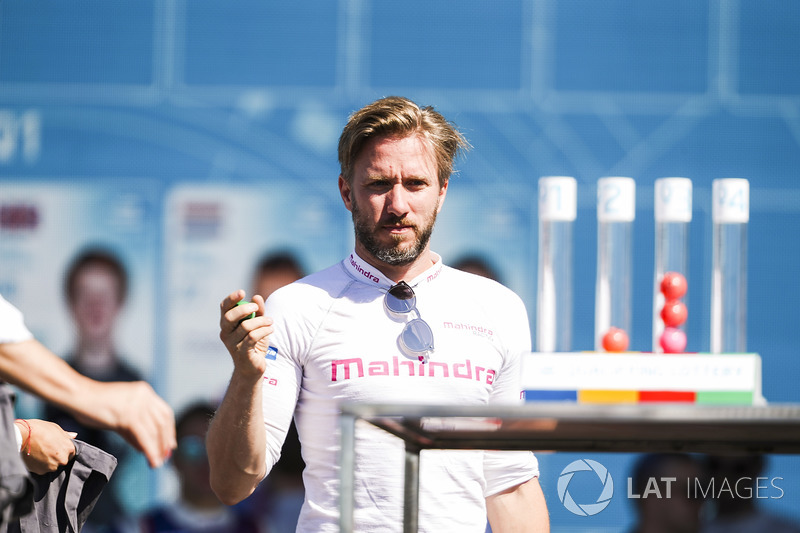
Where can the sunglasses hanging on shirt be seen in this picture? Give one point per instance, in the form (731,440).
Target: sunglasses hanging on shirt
(416,339)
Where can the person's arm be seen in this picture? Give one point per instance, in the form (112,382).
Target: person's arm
(45,446)
(132,409)
(237,439)
(520,509)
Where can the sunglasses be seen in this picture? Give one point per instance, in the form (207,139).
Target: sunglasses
(417,336)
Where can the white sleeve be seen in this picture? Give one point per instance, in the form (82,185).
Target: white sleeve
(12,329)
(505,469)
(516,338)
(18,434)
(12,324)
(283,376)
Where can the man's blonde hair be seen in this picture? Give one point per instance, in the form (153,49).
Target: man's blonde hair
(395,116)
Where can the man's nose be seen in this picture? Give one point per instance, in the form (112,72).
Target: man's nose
(397,200)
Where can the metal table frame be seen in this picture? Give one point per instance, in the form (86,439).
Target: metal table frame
(773,429)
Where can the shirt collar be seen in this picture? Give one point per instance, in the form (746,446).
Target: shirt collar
(366,273)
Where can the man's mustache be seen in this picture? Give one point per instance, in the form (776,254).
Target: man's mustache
(394,220)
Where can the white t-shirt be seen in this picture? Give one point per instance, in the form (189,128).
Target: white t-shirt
(336,343)
(12,324)
(12,329)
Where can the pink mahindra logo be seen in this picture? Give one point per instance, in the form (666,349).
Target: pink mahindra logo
(435,274)
(356,367)
(476,330)
(366,273)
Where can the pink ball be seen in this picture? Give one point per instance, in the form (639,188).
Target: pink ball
(674,313)
(615,340)
(673,340)
(673,285)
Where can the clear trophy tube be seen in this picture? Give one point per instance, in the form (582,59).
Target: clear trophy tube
(616,211)
(673,213)
(730,213)
(557,213)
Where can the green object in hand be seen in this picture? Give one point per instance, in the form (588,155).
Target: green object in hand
(251,315)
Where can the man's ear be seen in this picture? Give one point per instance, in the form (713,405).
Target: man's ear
(442,195)
(345,190)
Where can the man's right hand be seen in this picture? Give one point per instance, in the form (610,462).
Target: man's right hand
(237,438)
(245,339)
(138,414)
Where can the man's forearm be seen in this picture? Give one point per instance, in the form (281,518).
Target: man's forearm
(236,441)
(132,409)
(35,369)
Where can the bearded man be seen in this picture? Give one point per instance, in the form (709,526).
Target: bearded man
(389,324)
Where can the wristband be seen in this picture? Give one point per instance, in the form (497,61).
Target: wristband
(27,443)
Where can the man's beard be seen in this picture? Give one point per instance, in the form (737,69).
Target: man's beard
(394,255)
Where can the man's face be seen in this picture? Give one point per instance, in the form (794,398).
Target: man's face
(394,198)
(97,302)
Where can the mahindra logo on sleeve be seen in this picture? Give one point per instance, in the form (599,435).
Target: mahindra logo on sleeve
(356,367)
(366,273)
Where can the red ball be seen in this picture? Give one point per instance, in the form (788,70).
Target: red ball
(673,285)
(673,340)
(615,340)
(674,313)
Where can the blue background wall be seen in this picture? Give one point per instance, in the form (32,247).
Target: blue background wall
(254,93)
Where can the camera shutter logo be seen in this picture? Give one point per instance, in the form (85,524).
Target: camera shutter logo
(585,509)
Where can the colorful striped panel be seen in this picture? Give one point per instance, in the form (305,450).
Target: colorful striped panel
(628,396)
